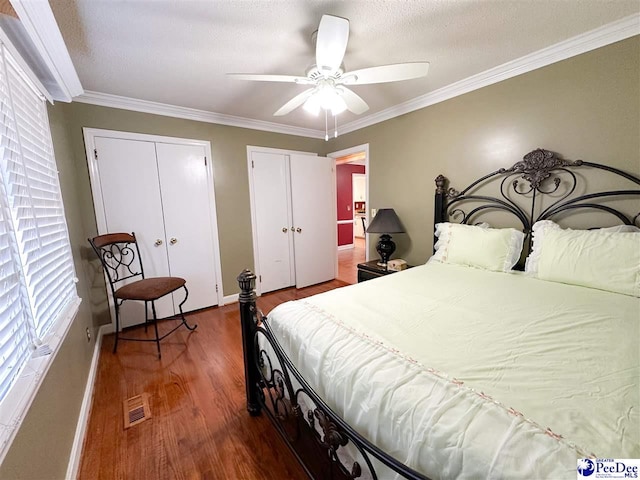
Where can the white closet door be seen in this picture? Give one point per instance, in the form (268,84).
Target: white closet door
(131,198)
(188,222)
(314,217)
(272,220)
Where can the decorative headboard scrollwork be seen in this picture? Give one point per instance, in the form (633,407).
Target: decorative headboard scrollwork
(541,173)
(538,165)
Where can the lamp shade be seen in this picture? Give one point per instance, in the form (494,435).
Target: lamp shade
(385,221)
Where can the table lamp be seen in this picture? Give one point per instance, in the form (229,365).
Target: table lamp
(385,222)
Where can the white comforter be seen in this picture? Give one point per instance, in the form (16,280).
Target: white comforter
(464,373)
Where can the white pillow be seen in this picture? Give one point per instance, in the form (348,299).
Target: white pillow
(605,259)
(495,249)
(540,228)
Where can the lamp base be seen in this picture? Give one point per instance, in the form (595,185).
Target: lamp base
(385,249)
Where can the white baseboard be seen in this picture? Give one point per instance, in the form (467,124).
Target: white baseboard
(227,299)
(85,409)
(346,247)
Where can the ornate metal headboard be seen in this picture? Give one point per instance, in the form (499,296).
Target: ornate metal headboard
(540,174)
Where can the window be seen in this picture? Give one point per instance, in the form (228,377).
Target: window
(37,284)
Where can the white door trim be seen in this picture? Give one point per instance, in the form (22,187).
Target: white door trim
(254,230)
(349,151)
(90,135)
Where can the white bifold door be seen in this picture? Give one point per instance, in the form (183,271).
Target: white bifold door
(314,218)
(293,217)
(162,191)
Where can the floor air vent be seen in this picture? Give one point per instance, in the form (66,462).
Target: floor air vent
(136,410)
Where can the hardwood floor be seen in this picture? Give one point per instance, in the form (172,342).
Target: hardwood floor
(348,261)
(199,426)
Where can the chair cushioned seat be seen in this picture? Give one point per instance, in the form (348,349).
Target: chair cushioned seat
(149,288)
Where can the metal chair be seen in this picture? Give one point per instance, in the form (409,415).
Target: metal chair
(117,253)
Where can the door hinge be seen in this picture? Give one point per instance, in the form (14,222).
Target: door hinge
(95,153)
(260,276)
(205,161)
(216,287)
(252,165)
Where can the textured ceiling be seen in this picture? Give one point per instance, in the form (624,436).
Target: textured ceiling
(177,52)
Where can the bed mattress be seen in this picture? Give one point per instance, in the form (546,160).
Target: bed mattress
(465,373)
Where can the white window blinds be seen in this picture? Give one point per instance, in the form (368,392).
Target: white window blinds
(14,322)
(36,267)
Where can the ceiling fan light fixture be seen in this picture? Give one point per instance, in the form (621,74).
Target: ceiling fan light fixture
(312,105)
(338,106)
(329,98)
(326,97)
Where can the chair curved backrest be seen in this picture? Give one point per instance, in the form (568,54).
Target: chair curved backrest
(119,255)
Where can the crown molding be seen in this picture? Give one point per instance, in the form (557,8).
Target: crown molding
(599,37)
(42,29)
(613,32)
(145,106)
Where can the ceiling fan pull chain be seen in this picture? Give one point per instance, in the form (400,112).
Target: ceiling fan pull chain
(326,127)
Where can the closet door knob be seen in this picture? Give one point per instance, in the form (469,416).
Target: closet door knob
(158,242)
(284,229)
(299,230)
(173,240)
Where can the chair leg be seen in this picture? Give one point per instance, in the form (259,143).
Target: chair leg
(155,326)
(146,316)
(117,308)
(184,320)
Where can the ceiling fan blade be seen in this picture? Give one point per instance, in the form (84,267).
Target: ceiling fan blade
(355,104)
(269,78)
(331,43)
(386,73)
(294,103)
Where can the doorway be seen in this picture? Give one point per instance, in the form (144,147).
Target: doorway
(352,204)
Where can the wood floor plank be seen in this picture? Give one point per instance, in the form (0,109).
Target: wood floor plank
(199,427)
(349,259)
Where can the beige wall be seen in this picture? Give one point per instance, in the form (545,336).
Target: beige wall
(587,107)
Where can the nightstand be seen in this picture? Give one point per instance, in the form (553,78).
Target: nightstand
(369,270)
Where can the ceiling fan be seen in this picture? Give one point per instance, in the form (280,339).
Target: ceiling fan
(327,79)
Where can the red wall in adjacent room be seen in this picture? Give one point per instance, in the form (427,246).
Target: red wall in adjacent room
(345,233)
(344,188)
